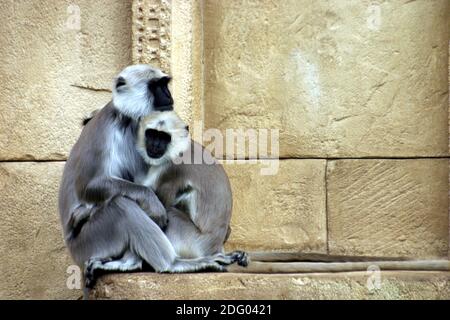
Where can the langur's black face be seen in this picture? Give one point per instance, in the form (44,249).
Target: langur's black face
(162,98)
(141,89)
(156,143)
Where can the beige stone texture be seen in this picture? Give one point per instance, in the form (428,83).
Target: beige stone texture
(236,286)
(186,59)
(34,258)
(284,212)
(388,207)
(169,34)
(53,73)
(338,78)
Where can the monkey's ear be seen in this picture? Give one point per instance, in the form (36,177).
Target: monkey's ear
(120,82)
(186,128)
(86,120)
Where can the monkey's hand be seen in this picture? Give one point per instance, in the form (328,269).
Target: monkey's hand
(154,209)
(102,188)
(78,218)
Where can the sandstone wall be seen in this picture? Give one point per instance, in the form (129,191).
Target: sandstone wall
(52,74)
(359,87)
(359,92)
(338,78)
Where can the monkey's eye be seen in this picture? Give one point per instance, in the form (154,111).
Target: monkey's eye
(120,82)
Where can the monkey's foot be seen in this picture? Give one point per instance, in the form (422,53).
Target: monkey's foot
(240,257)
(92,268)
(195,265)
(215,267)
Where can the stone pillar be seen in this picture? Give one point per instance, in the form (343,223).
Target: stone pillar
(169,34)
(151,32)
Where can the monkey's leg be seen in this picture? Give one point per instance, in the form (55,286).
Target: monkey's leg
(122,226)
(189,242)
(101,241)
(184,235)
(129,262)
(94,267)
(149,242)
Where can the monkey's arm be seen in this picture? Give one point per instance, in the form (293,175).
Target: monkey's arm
(101,189)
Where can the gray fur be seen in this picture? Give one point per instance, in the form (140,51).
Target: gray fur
(109,221)
(197,195)
(199,203)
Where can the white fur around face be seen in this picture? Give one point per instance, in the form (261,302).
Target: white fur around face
(133,99)
(151,180)
(169,122)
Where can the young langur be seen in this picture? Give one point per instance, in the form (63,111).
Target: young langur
(198,201)
(196,194)
(110,222)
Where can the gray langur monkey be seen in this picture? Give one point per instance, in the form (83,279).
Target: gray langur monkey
(191,184)
(109,221)
(196,193)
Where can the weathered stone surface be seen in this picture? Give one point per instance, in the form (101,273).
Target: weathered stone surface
(54,73)
(34,258)
(394,285)
(151,33)
(186,59)
(388,207)
(285,211)
(340,78)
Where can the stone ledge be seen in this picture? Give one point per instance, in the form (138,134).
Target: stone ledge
(204,286)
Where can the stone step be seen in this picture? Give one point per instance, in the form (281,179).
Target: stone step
(345,285)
